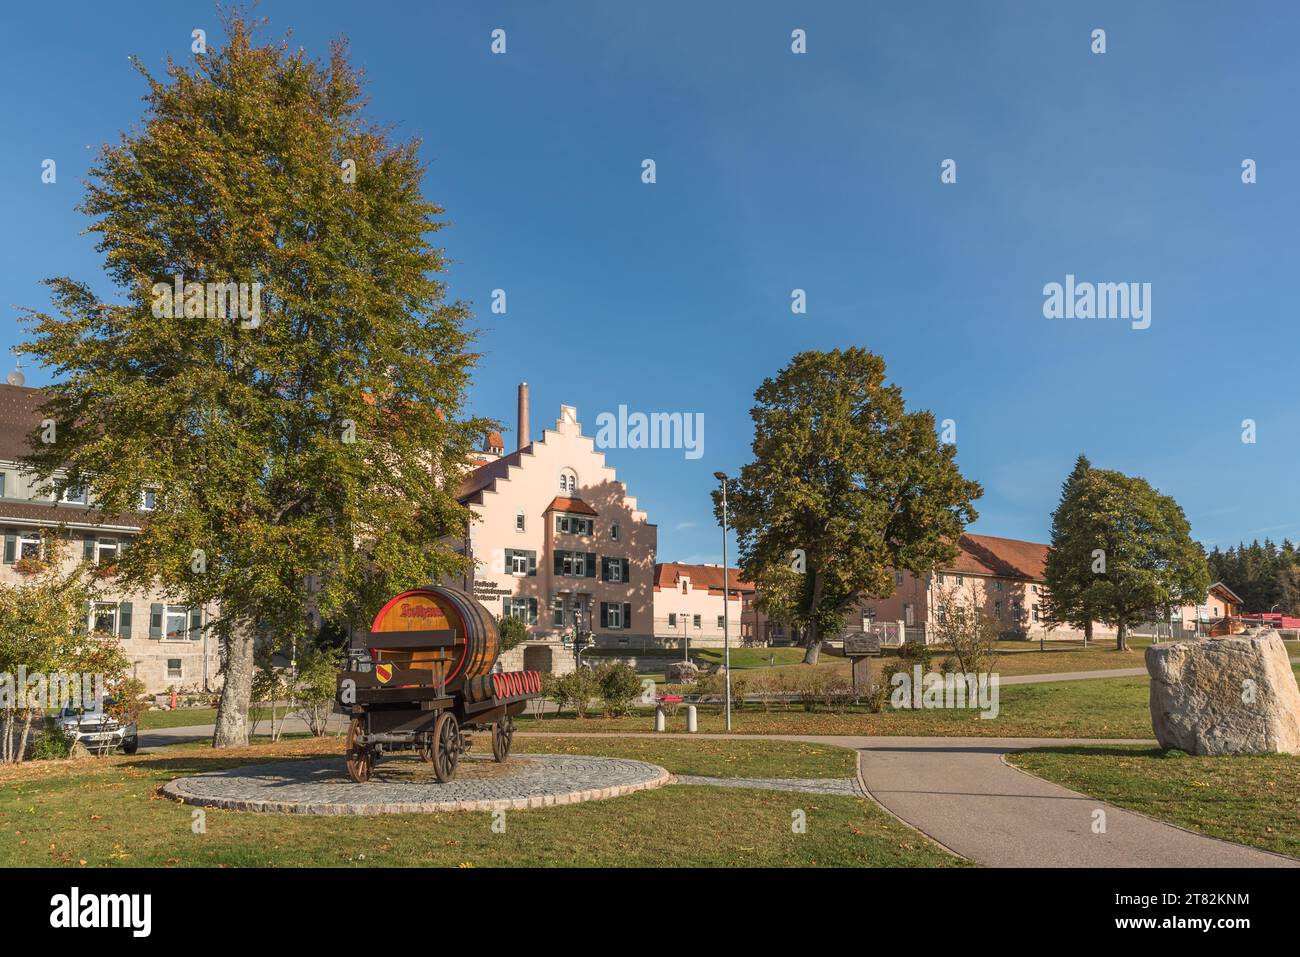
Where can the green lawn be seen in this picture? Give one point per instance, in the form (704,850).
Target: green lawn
(1249,799)
(179,718)
(108,812)
(1094,708)
(708,756)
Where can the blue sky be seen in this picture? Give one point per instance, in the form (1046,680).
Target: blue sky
(820,171)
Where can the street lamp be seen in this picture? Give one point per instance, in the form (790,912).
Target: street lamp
(726,621)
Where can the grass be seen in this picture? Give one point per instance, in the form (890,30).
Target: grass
(180,718)
(1095,708)
(1249,799)
(709,756)
(108,812)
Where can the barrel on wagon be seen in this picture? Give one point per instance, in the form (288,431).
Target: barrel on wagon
(422,676)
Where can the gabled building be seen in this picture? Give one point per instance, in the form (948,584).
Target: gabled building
(557,541)
(163,638)
(688,606)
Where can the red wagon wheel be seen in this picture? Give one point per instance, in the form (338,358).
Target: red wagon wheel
(446,744)
(360,759)
(503,732)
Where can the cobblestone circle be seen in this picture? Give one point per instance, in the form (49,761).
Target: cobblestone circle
(404,785)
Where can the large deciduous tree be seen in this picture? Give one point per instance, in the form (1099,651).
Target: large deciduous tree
(302,456)
(846,486)
(1132,550)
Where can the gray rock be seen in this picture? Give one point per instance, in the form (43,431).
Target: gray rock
(681,672)
(1225,696)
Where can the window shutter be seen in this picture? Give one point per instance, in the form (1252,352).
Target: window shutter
(155,621)
(505,607)
(604,614)
(627,614)
(11,545)
(196,624)
(88,548)
(124,619)
(626,570)
(559,563)
(532,611)
(604,569)
(532,562)
(591,564)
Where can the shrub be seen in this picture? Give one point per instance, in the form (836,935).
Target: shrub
(316,687)
(513,632)
(620,685)
(575,690)
(50,744)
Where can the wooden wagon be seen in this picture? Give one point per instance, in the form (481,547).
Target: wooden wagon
(422,676)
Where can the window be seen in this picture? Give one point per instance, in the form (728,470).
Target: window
(696,621)
(75,494)
(613,529)
(720,625)
(1017,610)
(685,585)
(568,482)
(614,569)
(997,586)
(3,476)
(672,620)
(174,668)
(939,578)
(520,521)
(942,616)
(572,525)
(149,500)
(572,564)
(1036,618)
(524,609)
(898,578)
(106,552)
(908,615)
(557,611)
(613,614)
(176,622)
(1034,589)
(29,545)
(104,617)
(997,608)
(518,563)
(961,580)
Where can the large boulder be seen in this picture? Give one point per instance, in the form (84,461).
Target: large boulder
(1225,696)
(681,672)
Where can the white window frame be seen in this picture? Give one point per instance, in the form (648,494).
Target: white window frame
(180,668)
(616,569)
(145,506)
(518,563)
(30,538)
(672,619)
(558,611)
(170,612)
(613,615)
(521,521)
(74,495)
(111,545)
(104,607)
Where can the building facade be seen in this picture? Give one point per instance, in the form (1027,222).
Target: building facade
(557,541)
(164,639)
(688,606)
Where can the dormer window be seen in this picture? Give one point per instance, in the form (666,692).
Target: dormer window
(685,586)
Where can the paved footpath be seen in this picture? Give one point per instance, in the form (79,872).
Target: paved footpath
(961,793)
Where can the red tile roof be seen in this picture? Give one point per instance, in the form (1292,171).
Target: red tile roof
(701,576)
(999,557)
(575,505)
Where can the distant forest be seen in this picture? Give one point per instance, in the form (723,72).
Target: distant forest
(1263,575)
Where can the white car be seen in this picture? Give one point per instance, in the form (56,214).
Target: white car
(97,730)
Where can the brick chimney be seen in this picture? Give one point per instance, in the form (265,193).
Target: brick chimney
(523,414)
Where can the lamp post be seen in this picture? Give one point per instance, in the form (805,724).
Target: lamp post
(726,621)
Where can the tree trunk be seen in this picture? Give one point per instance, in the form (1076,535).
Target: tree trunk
(1121,637)
(1087,632)
(22,738)
(237,688)
(813,645)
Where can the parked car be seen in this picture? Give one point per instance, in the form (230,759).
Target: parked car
(98,730)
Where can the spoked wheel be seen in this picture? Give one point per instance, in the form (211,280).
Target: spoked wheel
(503,732)
(360,760)
(446,747)
(426,750)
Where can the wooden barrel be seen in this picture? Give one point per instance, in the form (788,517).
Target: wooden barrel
(441,629)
